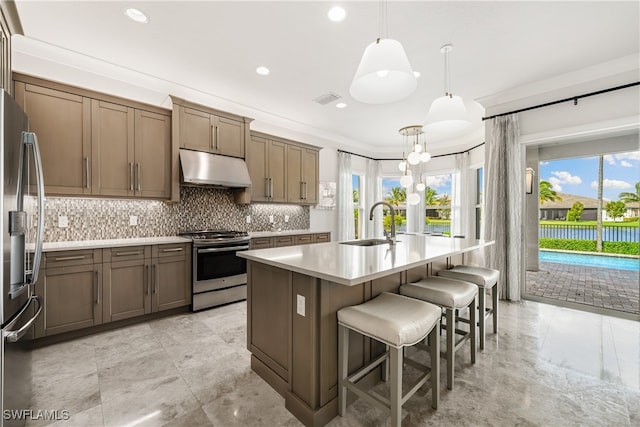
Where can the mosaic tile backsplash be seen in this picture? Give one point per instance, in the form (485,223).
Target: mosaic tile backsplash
(199,208)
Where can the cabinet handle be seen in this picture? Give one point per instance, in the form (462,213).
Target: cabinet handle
(301,190)
(217,136)
(305,190)
(270,188)
(266,187)
(138,175)
(86,172)
(146,268)
(155,279)
(69,258)
(128,253)
(130,176)
(172,250)
(97,287)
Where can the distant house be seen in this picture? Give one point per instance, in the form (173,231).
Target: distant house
(558,209)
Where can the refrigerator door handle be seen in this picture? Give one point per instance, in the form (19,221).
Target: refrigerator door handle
(13,336)
(31,140)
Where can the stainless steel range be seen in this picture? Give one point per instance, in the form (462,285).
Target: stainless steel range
(218,275)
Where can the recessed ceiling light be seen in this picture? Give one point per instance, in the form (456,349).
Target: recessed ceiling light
(416,73)
(341,105)
(263,71)
(336,14)
(136,15)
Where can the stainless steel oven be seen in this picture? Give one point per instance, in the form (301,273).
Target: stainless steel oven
(219,276)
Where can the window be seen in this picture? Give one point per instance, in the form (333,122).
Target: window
(394,193)
(437,198)
(479,200)
(358,208)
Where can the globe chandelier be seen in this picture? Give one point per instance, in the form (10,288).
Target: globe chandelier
(416,144)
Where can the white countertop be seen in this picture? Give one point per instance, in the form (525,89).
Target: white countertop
(258,234)
(351,265)
(110,243)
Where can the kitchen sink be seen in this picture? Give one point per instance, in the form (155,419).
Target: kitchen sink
(366,242)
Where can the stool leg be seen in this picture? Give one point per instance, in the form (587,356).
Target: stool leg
(343,368)
(451,345)
(494,300)
(435,365)
(396,386)
(385,366)
(473,308)
(482,302)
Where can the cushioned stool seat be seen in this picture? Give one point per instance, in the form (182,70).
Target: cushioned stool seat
(452,295)
(396,321)
(484,278)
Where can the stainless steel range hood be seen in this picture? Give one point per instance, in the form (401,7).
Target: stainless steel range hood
(199,168)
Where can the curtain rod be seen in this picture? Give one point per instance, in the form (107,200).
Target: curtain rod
(433,157)
(572,98)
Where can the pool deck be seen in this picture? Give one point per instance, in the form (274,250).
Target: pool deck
(596,286)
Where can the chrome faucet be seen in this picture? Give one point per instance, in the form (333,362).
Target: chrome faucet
(391,237)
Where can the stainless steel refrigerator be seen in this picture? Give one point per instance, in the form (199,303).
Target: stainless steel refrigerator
(22,202)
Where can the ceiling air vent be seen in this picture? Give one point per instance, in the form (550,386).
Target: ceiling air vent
(327,98)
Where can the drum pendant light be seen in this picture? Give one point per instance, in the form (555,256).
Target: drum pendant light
(384,74)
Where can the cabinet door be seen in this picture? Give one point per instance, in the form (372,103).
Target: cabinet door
(304,239)
(295,192)
(257,149)
(112,141)
(277,156)
(261,243)
(171,287)
(127,289)
(228,137)
(62,122)
(195,130)
(322,238)
(152,167)
(281,241)
(310,159)
(72,298)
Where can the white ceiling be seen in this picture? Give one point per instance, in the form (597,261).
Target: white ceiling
(212,49)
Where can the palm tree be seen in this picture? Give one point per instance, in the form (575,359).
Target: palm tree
(599,214)
(628,197)
(547,193)
(356,196)
(430,196)
(396,196)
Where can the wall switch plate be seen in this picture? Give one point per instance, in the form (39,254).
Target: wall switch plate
(133,220)
(63,221)
(286,218)
(271,219)
(248,219)
(300,305)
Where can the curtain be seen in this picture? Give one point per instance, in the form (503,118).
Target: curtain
(503,221)
(346,220)
(373,194)
(462,202)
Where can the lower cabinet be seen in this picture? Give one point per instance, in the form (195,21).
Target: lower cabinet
(289,240)
(85,288)
(71,286)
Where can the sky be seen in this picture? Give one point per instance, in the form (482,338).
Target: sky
(579,176)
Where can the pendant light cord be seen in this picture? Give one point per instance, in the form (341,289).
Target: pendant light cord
(383,21)
(447,78)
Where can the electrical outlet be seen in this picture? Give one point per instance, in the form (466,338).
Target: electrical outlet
(271,219)
(300,305)
(286,218)
(63,221)
(133,220)
(248,219)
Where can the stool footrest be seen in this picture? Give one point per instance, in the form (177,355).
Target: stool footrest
(368,368)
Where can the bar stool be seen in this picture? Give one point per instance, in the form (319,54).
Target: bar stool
(452,295)
(484,278)
(397,322)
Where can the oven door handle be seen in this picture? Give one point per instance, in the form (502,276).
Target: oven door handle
(229,249)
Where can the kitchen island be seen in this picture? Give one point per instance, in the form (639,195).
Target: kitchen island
(292,298)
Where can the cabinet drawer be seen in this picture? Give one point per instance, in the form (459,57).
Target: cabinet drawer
(284,241)
(72,258)
(261,243)
(322,237)
(127,253)
(304,239)
(173,250)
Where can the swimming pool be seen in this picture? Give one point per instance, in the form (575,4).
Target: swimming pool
(618,263)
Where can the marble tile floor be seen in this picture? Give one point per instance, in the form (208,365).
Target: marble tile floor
(548,366)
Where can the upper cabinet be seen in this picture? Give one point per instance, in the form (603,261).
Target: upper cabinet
(9,25)
(282,170)
(94,144)
(205,129)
